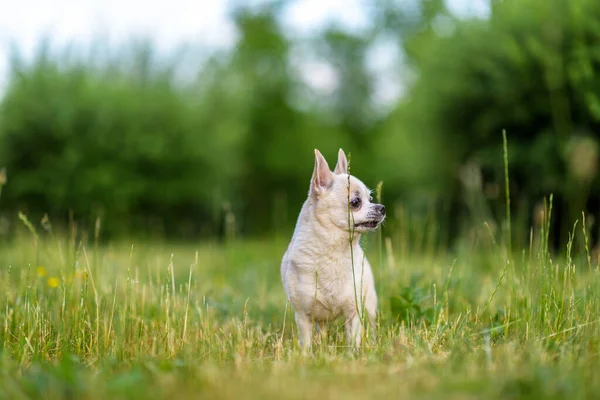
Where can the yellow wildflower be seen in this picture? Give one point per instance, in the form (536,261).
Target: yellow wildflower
(81,274)
(53,282)
(41,271)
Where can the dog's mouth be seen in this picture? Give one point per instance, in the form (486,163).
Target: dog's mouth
(371,224)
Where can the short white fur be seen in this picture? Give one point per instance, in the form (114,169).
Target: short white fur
(317,268)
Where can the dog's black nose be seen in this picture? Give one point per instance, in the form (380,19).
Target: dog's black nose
(381,210)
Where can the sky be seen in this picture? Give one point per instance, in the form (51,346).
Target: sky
(170,23)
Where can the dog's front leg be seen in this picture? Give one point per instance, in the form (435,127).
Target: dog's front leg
(353,331)
(305,326)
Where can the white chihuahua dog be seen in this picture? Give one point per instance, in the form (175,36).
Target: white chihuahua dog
(319,276)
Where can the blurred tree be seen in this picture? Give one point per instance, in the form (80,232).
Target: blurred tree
(530,69)
(352,96)
(124,144)
(261,59)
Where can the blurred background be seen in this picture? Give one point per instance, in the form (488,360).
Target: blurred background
(192,120)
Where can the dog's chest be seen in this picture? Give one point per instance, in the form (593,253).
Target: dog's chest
(333,287)
(333,277)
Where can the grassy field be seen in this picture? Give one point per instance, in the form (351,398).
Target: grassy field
(206,320)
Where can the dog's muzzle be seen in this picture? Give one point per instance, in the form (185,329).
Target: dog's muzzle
(375,216)
(380,210)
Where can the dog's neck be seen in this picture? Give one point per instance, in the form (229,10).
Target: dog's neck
(329,238)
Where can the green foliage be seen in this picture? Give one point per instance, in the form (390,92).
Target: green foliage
(119,136)
(414,304)
(407,306)
(532,69)
(115,144)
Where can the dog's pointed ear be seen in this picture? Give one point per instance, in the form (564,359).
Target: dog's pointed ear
(342,163)
(322,178)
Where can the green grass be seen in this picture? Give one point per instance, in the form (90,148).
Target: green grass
(160,320)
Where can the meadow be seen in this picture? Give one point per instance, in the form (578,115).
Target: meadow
(219,145)
(87,319)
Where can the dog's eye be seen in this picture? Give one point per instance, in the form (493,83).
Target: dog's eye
(355,203)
